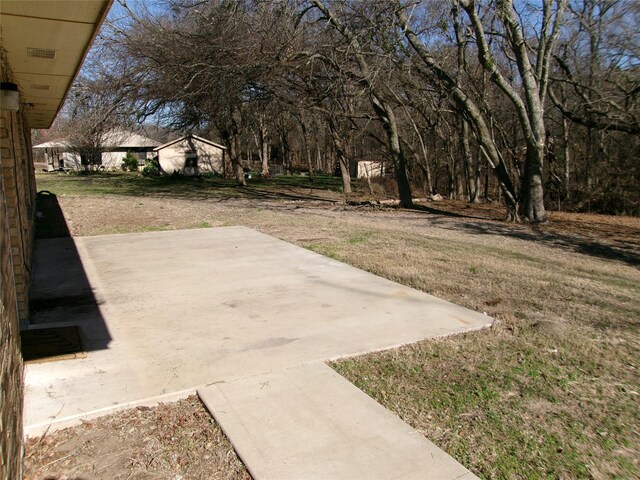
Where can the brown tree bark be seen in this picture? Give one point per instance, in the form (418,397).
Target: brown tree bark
(231,137)
(339,146)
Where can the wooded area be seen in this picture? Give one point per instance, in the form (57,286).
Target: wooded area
(532,103)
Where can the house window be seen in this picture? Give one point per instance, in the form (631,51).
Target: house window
(95,159)
(191,160)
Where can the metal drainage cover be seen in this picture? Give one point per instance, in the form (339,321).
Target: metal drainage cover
(51,344)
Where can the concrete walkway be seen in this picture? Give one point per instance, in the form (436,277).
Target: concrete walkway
(247,320)
(310,423)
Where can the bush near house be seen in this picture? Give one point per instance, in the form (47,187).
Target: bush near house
(151,168)
(130,163)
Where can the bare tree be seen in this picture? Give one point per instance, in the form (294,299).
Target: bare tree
(381,105)
(445,90)
(91,111)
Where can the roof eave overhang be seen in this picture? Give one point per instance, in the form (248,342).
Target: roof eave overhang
(46,44)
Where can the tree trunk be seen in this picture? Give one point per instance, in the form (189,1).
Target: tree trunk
(424,166)
(567,160)
(338,143)
(386,115)
(532,206)
(264,148)
(404,187)
(307,148)
(265,159)
(464,127)
(232,139)
(466,159)
(319,165)
(234,157)
(476,182)
(286,161)
(451,183)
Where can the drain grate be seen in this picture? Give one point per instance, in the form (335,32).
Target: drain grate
(50,344)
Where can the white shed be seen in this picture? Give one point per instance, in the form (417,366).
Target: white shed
(191,155)
(370,168)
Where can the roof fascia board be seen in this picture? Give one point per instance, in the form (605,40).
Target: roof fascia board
(184,137)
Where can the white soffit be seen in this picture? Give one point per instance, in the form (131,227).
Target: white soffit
(45,43)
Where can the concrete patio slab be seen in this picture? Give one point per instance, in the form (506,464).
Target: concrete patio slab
(165,313)
(308,422)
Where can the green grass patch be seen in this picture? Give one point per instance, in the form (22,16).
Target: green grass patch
(526,405)
(360,238)
(136,185)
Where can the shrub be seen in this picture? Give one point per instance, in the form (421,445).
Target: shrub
(151,168)
(130,163)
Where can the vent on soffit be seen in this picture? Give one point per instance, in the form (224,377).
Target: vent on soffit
(40,87)
(41,52)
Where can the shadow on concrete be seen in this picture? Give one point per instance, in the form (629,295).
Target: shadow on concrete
(625,253)
(61,295)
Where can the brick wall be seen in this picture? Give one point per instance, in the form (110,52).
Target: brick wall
(17,203)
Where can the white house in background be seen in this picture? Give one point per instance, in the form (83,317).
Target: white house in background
(114,145)
(191,155)
(370,168)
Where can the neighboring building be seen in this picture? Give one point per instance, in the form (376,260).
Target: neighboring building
(60,154)
(49,155)
(42,46)
(191,155)
(370,169)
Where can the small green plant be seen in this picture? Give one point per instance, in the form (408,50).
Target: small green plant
(151,168)
(130,163)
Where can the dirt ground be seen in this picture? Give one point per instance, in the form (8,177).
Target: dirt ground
(558,291)
(170,441)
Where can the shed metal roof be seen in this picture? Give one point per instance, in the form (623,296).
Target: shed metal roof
(203,140)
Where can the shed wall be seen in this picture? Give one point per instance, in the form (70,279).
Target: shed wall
(173,158)
(370,169)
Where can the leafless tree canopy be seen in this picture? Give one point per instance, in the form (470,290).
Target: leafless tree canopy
(534,103)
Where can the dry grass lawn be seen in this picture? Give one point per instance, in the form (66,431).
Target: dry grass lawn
(550,391)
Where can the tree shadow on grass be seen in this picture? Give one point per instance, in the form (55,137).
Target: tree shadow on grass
(621,252)
(181,187)
(444,213)
(291,194)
